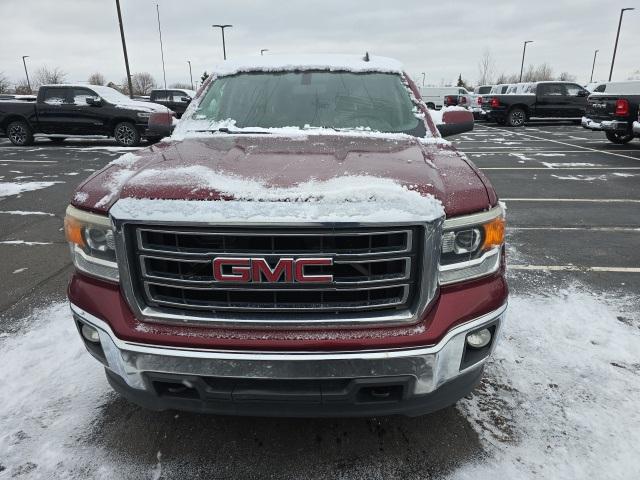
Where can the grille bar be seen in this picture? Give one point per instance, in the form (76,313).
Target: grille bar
(374,269)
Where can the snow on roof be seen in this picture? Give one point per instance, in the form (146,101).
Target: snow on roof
(331,62)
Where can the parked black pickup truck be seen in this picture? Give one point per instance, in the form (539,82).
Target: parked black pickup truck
(614,111)
(176,99)
(75,110)
(548,100)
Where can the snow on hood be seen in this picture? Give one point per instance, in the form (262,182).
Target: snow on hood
(341,199)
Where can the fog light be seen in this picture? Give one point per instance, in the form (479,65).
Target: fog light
(479,339)
(90,334)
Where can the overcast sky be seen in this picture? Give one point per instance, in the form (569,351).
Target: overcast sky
(440,38)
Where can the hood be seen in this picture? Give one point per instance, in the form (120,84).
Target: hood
(142,106)
(178,170)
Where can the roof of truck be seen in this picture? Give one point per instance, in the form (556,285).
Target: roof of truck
(330,62)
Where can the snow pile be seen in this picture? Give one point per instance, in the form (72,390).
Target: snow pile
(329,62)
(116,178)
(340,199)
(560,398)
(16,188)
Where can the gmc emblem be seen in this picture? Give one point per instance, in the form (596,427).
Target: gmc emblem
(258,270)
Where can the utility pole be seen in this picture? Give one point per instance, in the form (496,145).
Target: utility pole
(164,74)
(26,73)
(615,48)
(190,74)
(222,27)
(424,75)
(263,50)
(524,50)
(124,49)
(595,54)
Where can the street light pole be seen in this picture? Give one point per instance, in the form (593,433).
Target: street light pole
(164,73)
(25,71)
(424,75)
(524,50)
(595,54)
(615,48)
(124,49)
(224,48)
(263,50)
(190,74)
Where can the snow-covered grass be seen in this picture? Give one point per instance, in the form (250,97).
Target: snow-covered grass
(560,397)
(559,400)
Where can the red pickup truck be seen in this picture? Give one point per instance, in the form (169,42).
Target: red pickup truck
(304,244)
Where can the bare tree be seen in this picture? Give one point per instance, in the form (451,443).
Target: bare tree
(566,77)
(96,79)
(635,75)
(4,83)
(142,83)
(544,72)
(49,76)
(22,88)
(487,67)
(182,86)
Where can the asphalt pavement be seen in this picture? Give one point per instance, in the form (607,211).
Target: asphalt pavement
(573,210)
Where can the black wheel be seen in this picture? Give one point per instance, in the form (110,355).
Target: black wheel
(619,138)
(20,133)
(431,106)
(516,117)
(57,140)
(126,134)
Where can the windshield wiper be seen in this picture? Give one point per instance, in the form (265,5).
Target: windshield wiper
(226,130)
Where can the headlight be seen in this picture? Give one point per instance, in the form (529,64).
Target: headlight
(472,246)
(92,243)
(144,114)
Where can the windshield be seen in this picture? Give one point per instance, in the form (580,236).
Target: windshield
(339,100)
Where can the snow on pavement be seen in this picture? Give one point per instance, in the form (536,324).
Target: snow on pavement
(558,401)
(15,188)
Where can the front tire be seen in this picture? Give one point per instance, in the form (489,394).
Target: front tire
(20,133)
(126,134)
(516,117)
(619,138)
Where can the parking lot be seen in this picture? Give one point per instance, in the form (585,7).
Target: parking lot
(563,382)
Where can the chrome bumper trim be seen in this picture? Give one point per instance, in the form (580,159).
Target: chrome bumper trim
(430,365)
(636,127)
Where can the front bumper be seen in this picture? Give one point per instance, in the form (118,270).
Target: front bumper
(410,381)
(605,125)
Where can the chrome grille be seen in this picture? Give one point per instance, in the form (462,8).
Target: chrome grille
(373,269)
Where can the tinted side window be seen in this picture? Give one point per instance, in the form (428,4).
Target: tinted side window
(55,96)
(551,89)
(177,96)
(161,95)
(573,89)
(79,96)
(601,88)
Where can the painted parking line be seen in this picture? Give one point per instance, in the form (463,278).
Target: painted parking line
(573,229)
(574,146)
(559,168)
(28,161)
(573,268)
(577,200)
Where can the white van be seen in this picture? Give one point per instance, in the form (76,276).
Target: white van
(434,96)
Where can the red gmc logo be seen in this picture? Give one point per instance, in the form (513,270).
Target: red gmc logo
(258,270)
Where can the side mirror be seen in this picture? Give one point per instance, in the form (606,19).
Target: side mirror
(94,101)
(455,122)
(583,93)
(185,99)
(160,124)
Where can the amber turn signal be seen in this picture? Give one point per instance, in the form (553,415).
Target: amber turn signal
(73,231)
(493,233)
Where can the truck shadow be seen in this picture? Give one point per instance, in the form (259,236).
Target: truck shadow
(207,446)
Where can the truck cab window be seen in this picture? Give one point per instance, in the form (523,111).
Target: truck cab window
(551,89)
(55,96)
(80,95)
